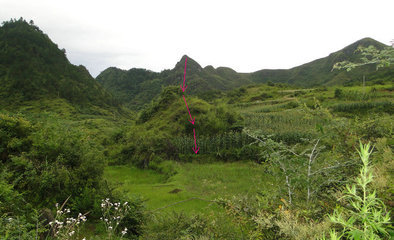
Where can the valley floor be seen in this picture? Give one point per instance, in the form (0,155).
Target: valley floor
(193,186)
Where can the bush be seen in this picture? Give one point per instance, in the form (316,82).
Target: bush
(14,136)
(48,161)
(338,93)
(17,228)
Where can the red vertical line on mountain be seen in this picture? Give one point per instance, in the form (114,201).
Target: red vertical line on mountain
(195,149)
(191,119)
(184,77)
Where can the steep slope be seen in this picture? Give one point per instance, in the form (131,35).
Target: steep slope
(32,67)
(319,72)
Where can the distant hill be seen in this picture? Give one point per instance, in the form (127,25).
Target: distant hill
(32,67)
(319,72)
(136,87)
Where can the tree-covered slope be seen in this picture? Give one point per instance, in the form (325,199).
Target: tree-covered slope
(32,67)
(136,87)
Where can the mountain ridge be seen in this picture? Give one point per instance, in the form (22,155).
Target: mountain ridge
(204,79)
(32,67)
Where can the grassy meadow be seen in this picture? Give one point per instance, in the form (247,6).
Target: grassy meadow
(193,180)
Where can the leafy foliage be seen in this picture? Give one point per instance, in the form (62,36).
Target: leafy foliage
(367,217)
(50,163)
(370,55)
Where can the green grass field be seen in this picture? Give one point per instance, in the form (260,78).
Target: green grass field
(205,181)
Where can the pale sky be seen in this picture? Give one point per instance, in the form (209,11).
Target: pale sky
(244,35)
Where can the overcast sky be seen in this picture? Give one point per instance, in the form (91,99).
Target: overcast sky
(244,35)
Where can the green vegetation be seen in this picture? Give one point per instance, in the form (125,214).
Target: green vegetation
(218,180)
(368,217)
(33,68)
(276,160)
(136,87)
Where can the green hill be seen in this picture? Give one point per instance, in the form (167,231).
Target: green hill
(136,87)
(319,72)
(33,68)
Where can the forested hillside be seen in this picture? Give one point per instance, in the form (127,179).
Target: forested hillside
(32,67)
(137,87)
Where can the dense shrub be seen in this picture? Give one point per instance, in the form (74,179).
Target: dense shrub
(49,161)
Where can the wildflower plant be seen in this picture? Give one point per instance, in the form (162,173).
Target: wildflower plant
(366,217)
(64,227)
(112,216)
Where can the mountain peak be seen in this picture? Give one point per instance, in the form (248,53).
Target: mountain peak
(364,42)
(192,65)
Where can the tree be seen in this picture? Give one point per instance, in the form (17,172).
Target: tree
(369,55)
